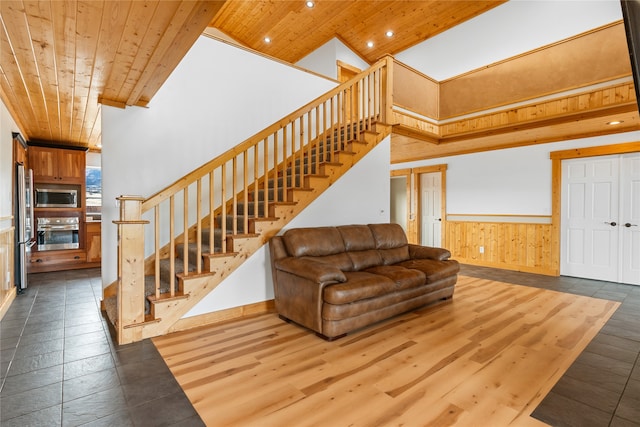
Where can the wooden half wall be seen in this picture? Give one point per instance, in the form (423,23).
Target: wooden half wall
(7,288)
(519,243)
(593,57)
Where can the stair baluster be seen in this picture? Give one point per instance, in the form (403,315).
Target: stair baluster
(278,170)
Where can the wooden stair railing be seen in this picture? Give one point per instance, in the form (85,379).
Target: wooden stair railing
(178,244)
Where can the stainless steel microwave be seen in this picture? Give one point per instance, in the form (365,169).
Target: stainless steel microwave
(56,198)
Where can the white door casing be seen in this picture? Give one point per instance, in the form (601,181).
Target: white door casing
(597,193)
(431,209)
(630,218)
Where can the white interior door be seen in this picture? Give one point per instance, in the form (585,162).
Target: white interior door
(630,218)
(599,197)
(431,209)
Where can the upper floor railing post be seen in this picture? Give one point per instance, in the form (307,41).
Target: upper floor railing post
(386,98)
(130,268)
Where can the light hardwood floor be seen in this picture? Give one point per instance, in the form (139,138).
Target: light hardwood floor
(486,358)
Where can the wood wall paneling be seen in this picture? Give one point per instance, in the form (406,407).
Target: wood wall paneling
(512,246)
(7,281)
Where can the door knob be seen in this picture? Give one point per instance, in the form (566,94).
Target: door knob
(612,223)
(630,225)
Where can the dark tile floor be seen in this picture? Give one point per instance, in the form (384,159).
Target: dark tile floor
(60,367)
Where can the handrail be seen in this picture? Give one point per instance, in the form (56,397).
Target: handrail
(193,217)
(251,141)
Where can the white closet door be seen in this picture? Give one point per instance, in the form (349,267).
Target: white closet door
(589,221)
(431,209)
(630,218)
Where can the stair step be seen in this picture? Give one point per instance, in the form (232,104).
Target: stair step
(148,318)
(167,297)
(239,221)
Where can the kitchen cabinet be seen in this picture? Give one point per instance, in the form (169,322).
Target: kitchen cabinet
(57,165)
(93,241)
(60,169)
(42,261)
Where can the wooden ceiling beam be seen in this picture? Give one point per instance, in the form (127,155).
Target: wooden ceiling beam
(171,49)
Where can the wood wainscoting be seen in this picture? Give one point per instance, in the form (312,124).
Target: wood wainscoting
(7,290)
(512,242)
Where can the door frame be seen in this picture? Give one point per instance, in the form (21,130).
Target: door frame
(413,198)
(556,186)
(442,168)
(411,232)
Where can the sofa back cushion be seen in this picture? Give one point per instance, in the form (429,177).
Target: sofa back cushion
(357,237)
(318,241)
(360,246)
(362,260)
(391,242)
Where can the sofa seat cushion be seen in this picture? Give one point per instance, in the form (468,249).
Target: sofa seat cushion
(433,269)
(404,278)
(334,312)
(359,285)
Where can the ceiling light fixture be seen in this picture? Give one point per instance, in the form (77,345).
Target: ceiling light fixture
(310,4)
(614,122)
(369,44)
(267,40)
(389,33)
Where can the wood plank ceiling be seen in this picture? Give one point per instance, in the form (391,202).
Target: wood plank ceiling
(60,59)
(296,30)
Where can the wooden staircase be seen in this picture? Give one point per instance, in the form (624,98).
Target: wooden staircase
(233,205)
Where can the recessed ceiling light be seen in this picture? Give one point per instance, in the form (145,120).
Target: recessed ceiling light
(369,44)
(267,40)
(310,4)
(614,122)
(389,33)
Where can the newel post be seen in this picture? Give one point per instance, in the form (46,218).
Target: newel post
(386,107)
(130,269)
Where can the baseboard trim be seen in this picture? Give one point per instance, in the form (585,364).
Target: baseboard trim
(512,267)
(224,315)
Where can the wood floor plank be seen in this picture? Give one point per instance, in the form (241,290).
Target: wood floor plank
(487,357)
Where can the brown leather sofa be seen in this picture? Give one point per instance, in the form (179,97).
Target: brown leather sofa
(334,280)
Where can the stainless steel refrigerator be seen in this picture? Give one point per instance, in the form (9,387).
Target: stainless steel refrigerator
(25,233)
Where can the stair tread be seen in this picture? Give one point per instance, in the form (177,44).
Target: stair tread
(167,297)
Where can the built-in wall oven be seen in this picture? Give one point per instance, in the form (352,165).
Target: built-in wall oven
(56,233)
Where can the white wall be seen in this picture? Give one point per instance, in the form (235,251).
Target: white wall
(324,59)
(361,196)
(510,29)
(513,181)
(218,96)
(7,126)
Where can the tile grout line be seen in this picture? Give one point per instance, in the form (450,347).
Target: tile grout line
(626,384)
(13,356)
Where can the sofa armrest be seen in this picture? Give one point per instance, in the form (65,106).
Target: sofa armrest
(311,270)
(299,286)
(422,252)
